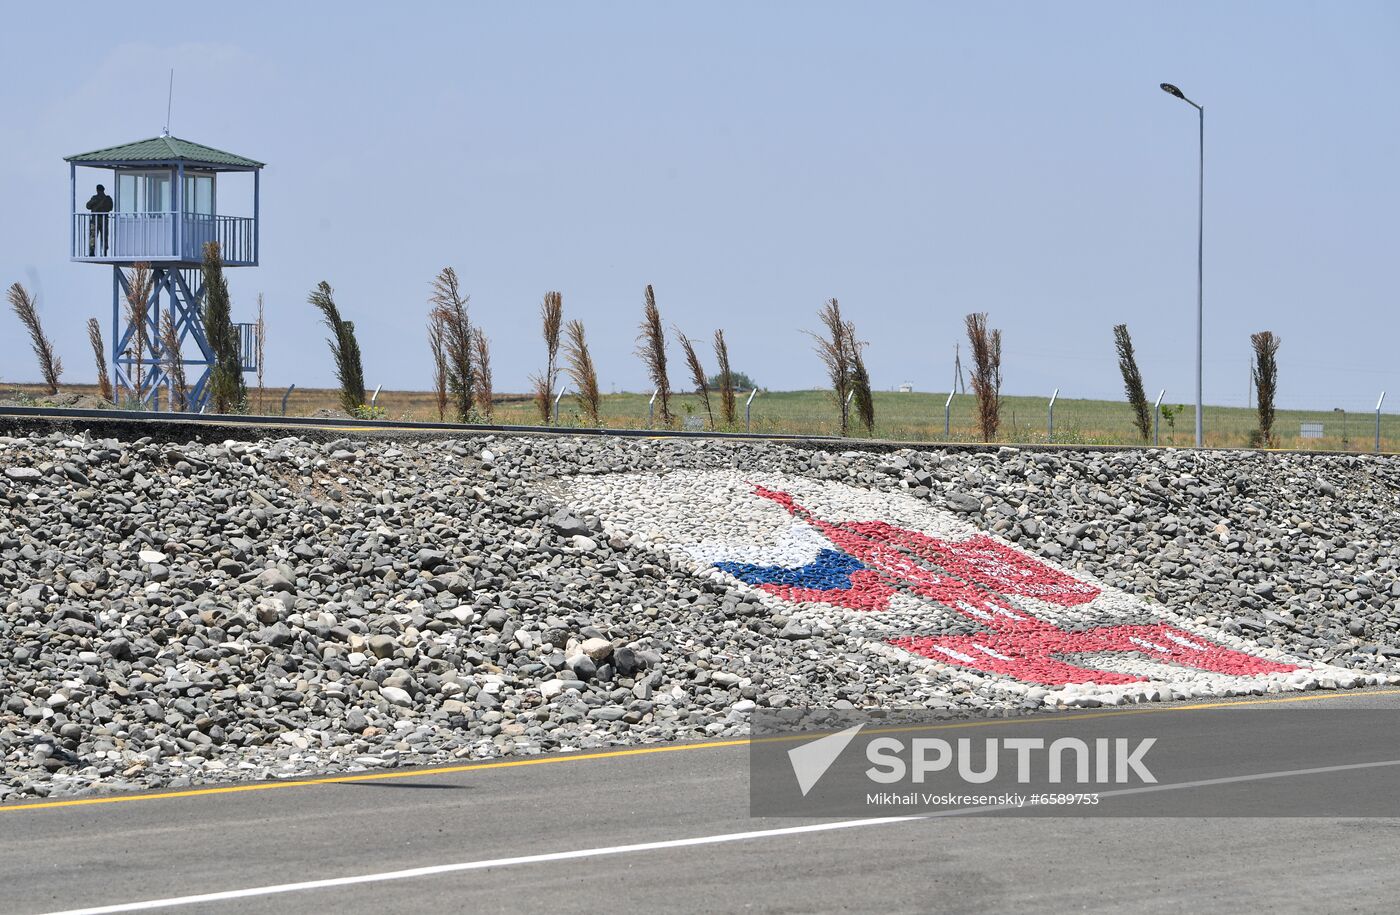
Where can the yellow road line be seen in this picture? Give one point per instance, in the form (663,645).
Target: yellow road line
(372,776)
(643,751)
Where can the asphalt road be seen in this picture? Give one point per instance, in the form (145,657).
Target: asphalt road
(556,833)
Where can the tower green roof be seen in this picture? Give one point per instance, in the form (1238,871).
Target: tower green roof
(165,149)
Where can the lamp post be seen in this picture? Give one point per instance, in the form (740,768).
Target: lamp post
(1200,245)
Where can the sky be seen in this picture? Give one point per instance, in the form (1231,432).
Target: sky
(917,161)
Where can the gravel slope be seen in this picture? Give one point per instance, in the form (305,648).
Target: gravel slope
(183,613)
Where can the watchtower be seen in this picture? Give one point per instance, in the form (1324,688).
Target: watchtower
(162,207)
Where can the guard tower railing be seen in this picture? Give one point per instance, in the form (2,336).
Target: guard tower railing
(117,238)
(248,346)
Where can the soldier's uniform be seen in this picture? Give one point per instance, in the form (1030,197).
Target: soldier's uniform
(99,204)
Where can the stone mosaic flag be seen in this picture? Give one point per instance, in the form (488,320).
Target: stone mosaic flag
(928,587)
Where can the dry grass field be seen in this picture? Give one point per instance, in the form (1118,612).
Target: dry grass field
(903,417)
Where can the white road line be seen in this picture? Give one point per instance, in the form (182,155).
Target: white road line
(481,865)
(434,870)
(1255,777)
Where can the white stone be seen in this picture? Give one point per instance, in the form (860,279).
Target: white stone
(151,556)
(395,695)
(597,648)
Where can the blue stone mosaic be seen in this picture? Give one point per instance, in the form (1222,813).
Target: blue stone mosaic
(830,571)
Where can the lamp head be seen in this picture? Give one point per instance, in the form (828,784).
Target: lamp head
(1169,89)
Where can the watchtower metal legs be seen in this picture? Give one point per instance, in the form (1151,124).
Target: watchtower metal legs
(182,292)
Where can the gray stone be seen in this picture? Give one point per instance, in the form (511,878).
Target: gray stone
(276,636)
(120,649)
(963,502)
(274,580)
(625,661)
(429,559)
(582,666)
(795,631)
(566,525)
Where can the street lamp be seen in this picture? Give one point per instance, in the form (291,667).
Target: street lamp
(1200,245)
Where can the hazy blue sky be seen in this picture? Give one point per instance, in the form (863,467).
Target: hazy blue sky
(916,160)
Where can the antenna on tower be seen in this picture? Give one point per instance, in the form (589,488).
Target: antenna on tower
(169,102)
(958,384)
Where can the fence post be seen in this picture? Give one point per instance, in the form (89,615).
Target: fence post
(651,407)
(290,389)
(1050,422)
(556,404)
(948,416)
(747,404)
(375,399)
(1378,422)
(1157,416)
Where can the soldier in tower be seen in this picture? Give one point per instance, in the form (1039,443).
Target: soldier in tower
(100,205)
